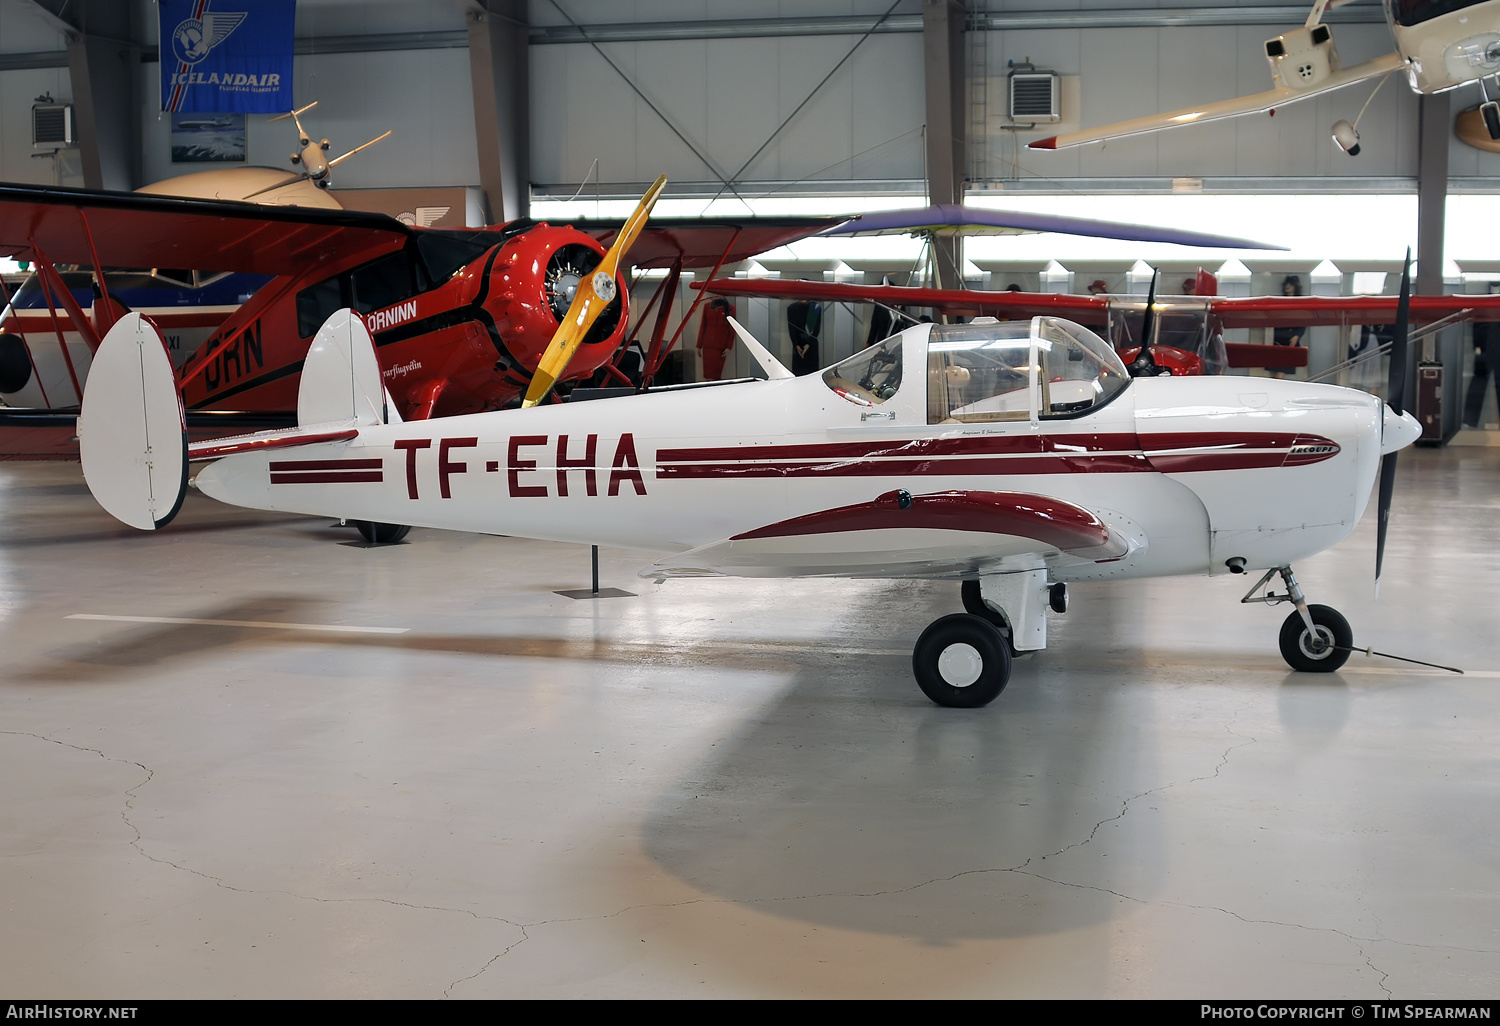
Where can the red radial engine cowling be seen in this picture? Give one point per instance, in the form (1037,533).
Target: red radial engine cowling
(532,283)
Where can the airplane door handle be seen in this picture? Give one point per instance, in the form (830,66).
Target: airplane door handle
(868,415)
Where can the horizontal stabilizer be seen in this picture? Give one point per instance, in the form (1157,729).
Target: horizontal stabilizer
(132,437)
(341,376)
(899,534)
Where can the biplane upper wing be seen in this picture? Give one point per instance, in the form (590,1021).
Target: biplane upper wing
(123,229)
(706,242)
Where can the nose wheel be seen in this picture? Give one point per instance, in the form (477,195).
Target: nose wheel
(1323,648)
(961,661)
(1314,639)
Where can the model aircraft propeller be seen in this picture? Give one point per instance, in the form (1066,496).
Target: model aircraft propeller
(1395,393)
(316,168)
(594,293)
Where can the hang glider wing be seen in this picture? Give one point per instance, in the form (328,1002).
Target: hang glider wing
(959,219)
(942,534)
(67,226)
(705,242)
(1314,311)
(1256,103)
(959,302)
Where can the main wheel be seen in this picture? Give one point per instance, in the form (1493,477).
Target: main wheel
(1321,654)
(961,661)
(380,534)
(1491,113)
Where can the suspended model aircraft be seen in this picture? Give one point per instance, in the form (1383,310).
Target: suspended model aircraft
(1016,457)
(1440,45)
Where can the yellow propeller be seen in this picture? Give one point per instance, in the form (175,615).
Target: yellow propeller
(593,294)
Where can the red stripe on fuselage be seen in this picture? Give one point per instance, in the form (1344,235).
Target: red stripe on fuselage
(329,477)
(1116,453)
(326,465)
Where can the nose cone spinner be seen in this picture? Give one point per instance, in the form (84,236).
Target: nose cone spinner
(1398,430)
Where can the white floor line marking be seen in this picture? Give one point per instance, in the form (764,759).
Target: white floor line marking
(338,628)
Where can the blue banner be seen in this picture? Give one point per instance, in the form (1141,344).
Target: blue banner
(232,56)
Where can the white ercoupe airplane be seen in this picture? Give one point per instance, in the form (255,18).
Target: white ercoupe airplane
(1016,457)
(1440,45)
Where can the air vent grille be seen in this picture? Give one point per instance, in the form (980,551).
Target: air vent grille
(1033,96)
(52,125)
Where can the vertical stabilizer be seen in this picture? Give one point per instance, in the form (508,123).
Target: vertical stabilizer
(341,377)
(132,436)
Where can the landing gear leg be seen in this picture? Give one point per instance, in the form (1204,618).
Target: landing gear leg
(1314,639)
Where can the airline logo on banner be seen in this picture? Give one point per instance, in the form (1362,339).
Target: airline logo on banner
(214,58)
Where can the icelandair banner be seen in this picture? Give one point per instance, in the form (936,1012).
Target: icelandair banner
(233,56)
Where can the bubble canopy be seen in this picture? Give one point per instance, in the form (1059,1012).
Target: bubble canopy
(1046,368)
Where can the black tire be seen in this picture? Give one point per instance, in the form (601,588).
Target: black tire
(1296,647)
(961,661)
(380,534)
(1491,112)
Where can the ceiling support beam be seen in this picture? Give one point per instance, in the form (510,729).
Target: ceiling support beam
(943,66)
(104,67)
(499,70)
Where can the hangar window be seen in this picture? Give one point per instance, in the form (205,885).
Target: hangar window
(979,373)
(870,377)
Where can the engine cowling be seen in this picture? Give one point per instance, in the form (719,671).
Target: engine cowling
(532,282)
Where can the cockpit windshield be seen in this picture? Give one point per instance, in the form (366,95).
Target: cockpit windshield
(870,377)
(1078,370)
(988,371)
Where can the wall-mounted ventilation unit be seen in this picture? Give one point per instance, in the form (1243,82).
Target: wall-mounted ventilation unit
(1034,95)
(51,125)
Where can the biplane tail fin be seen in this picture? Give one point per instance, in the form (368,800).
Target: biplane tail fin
(132,435)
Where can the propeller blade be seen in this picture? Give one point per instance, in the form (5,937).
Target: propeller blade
(277,185)
(1145,361)
(356,149)
(1387,489)
(1395,394)
(594,293)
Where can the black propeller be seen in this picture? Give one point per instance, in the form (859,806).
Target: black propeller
(1144,365)
(1395,395)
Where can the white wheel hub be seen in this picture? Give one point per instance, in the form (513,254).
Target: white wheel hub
(1310,647)
(960,665)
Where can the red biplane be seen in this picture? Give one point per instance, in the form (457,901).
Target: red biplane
(460,317)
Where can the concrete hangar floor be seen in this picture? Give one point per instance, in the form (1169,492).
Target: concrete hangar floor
(726,788)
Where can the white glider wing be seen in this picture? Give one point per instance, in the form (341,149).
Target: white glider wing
(1254,104)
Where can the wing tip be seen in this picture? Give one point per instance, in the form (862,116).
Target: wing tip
(1049,143)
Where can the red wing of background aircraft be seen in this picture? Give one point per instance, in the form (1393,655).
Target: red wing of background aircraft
(1183,326)
(460,317)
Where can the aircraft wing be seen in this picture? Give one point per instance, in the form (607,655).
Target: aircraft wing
(960,219)
(1253,104)
(133,230)
(1312,311)
(942,534)
(702,242)
(961,302)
